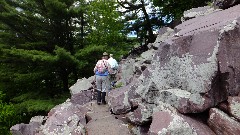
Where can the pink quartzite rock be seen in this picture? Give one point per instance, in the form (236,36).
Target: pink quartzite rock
(118,100)
(141,115)
(82,84)
(228,55)
(196,12)
(199,127)
(198,67)
(223,107)
(82,97)
(234,107)
(28,129)
(222,124)
(126,71)
(168,123)
(66,118)
(25,129)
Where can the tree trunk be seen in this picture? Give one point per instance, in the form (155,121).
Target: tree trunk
(151,37)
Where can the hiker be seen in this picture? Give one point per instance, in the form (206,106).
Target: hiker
(101,71)
(114,66)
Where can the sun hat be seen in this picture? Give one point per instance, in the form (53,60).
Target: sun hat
(105,54)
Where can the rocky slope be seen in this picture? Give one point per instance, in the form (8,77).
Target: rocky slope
(186,83)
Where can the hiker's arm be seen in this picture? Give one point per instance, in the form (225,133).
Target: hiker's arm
(95,68)
(109,68)
(116,64)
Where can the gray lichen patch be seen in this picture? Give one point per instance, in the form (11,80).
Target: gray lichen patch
(125,100)
(179,73)
(173,96)
(177,127)
(229,27)
(235,109)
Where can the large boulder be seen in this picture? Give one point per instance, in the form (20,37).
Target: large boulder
(166,122)
(66,118)
(83,91)
(141,115)
(196,12)
(82,97)
(126,71)
(224,4)
(28,129)
(82,84)
(228,56)
(222,124)
(118,100)
(25,129)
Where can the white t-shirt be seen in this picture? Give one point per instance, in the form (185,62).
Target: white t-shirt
(113,63)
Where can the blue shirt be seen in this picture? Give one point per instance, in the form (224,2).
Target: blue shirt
(102,74)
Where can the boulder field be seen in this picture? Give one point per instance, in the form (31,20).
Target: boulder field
(186,83)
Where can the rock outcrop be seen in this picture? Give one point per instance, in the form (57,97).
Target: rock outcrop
(166,122)
(222,124)
(65,119)
(169,88)
(194,68)
(196,12)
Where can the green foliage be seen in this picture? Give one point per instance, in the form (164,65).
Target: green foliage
(32,106)
(8,116)
(119,85)
(142,24)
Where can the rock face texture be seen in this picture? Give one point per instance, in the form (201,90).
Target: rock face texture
(81,85)
(167,89)
(166,122)
(222,124)
(66,118)
(196,12)
(234,107)
(194,67)
(197,68)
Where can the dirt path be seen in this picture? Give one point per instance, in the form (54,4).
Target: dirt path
(102,122)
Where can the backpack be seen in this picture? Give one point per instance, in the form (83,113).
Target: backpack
(102,66)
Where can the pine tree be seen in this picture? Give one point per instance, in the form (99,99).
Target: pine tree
(46,45)
(38,44)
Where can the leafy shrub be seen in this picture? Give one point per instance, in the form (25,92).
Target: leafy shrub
(8,116)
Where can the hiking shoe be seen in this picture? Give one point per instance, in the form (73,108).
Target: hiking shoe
(104,102)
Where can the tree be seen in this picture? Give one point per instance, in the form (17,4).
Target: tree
(45,43)
(104,33)
(133,7)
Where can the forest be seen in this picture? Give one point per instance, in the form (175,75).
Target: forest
(46,45)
